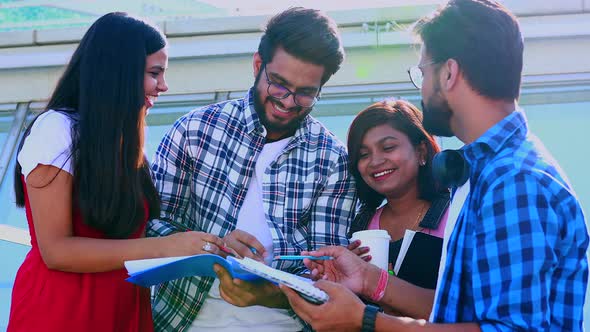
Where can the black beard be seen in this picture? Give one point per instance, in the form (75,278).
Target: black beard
(258,105)
(437,119)
(259,108)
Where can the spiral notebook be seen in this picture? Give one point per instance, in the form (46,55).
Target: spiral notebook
(301,285)
(149,272)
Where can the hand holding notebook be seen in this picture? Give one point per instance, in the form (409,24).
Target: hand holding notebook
(301,285)
(149,272)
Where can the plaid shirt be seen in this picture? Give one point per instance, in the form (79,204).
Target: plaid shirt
(202,170)
(516,259)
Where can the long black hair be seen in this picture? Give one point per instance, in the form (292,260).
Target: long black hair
(102,92)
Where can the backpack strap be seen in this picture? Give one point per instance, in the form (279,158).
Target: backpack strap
(437,209)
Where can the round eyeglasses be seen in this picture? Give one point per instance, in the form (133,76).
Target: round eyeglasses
(416,74)
(279,92)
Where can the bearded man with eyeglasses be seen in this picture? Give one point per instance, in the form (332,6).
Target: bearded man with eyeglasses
(261,173)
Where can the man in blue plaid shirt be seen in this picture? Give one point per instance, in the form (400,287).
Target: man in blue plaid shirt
(261,173)
(516,255)
(516,258)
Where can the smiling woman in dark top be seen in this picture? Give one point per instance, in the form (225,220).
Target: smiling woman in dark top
(391,160)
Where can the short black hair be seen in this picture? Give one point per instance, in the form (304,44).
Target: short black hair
(307,34)
(484,38)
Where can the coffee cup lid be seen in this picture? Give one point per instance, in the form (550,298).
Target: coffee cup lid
(372,233)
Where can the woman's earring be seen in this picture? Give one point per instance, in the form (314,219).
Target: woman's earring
(422,163)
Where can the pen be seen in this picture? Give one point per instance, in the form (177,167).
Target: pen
(229,251)
(255,252)
(296,257)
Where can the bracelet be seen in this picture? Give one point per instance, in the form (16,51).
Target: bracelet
(369,318)
(381,285)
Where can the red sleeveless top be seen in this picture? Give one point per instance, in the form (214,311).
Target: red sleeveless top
(50,300)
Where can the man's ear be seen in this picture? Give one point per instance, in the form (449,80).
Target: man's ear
(450,73)
(256,64)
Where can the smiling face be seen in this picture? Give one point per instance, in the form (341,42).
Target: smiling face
(154,81)
(388,162)
(281,118)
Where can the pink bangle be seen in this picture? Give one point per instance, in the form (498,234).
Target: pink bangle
(381,285)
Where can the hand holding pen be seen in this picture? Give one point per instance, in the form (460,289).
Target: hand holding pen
(245,245)
(210,243)
(188,242)
(238,244)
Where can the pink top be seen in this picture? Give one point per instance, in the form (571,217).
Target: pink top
(438,232)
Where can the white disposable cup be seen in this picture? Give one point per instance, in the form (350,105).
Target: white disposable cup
(378,242)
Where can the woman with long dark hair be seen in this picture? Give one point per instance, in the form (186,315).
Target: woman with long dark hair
(85,184)
(391,160)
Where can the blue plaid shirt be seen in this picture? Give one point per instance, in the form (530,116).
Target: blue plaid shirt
(202,170)
(516,259)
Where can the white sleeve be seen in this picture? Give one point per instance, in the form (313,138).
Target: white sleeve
(49,143)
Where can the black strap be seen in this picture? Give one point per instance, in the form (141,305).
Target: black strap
(361,220)
(369,318)
(431,219)
(437,209)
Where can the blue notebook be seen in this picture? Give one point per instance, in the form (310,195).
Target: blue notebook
(149,272)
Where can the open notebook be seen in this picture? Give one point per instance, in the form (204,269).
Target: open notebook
(149,272)
(303,286)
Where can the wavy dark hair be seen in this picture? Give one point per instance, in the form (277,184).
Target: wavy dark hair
(406,118)
(102,92)
(307,34)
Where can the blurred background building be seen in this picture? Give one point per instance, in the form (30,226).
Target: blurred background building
(211,45)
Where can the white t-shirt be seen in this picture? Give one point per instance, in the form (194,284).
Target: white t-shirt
(49,143)
(252,217)
(454,211)
(218,315)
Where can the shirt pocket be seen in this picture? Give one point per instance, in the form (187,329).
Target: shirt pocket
(299,200)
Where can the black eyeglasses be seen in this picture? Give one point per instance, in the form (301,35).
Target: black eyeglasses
(280,92)
(416,74)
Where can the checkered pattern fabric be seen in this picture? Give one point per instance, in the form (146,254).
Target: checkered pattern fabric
(516,260)
(202,170)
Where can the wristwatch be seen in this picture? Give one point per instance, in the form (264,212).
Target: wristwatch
(369,317)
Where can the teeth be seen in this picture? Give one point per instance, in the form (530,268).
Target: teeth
(376,175)
(280,109)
